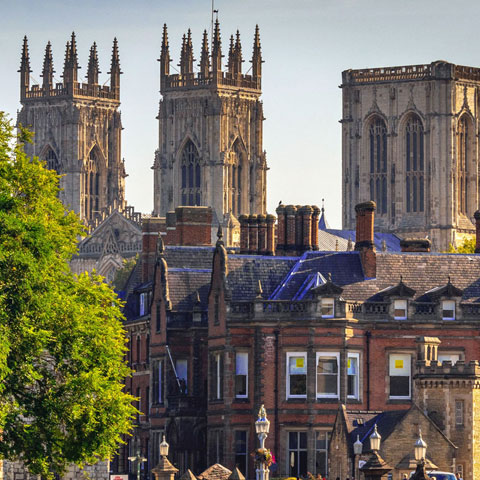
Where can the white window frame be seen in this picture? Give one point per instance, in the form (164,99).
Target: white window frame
(237,355)
(290,355)
(335,355)
(142,309)
(407,357)
(450,303)
(329,301)
(403,305)
(355,356)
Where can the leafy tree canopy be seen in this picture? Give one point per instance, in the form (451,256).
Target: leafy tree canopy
(62,342)
(468,246)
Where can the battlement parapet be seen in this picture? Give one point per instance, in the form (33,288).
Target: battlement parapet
(447,370)
(434,70)
(193,80)
(73,90)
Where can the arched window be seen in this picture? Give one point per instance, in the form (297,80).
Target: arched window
(91,185)
(52,160)
(414,164)
(377,138)
(463,158)
(235,180)
(191,172)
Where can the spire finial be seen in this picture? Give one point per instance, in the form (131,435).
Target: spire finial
(24,69)
(204,57)
(164,58)
(160,245)
(47,71)
(216,50)
(93,69)
(257,56)
(231,55)
(219,233)
(115,70)
(323,205)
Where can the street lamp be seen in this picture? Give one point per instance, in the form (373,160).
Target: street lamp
(420,450)
(357,450)
(164,446)
(164,469)
(376,467)
(139,459)
(263,457)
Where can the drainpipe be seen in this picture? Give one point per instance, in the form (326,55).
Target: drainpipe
(276,393)
(367,336)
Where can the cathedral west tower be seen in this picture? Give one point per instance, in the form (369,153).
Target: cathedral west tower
(210,131)
(410,143)
(77,129)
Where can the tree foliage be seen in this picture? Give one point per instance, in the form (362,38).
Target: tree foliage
(468,246)
(62,341)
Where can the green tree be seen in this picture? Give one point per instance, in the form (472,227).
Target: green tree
(62,341)
(468,246)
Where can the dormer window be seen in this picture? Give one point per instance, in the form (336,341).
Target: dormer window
(400,310)
(448,310)
(328,307)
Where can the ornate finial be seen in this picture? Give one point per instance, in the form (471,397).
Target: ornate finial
(93,69)
(219,233)
(115,68)
(204,57)
(262,413)
(47,72)
(160,245)
(231,55)
(336,245)
(216,49)
(66,62)
(449,281)
(384,245)
(259,290)
(257,54)
(401,278)
(349,244)
(25,61)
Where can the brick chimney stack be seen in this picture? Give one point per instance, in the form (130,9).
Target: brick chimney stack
(262,234)
(270,234)
(306,213)
(315,220)
(364,237)
(150,230)
(477,231)
(415,245)
(243,219)
(253,235)
(290,211)
(281,228)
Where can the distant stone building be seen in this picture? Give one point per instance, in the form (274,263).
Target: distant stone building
(410,144)
(77,130)
(210,132)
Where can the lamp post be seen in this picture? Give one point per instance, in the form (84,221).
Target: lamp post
(164,469)
(139,459)
(420,450)
(262,427)
(357,450)
(376,467)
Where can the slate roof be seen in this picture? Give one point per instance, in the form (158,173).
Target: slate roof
(345,268)
(392,242)
(361,423)
(189,257)
(422,272)
(329,242)
(244,271)
(183,285)
(215,472)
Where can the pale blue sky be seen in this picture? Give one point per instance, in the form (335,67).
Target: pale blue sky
(306,45)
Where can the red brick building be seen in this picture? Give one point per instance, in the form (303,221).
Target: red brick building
(301,334)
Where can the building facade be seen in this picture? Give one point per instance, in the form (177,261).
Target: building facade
(210,131)
(77,130)
(409,143)
(215,334)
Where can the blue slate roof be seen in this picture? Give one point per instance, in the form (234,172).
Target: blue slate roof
(392,242)
(344,267)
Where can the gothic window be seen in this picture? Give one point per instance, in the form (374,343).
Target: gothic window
(52,160)
(191,175)
(462,163)
(92,186)
(377,138)
(415,165)
(235,180)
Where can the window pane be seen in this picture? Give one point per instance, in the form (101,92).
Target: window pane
(327,384)
(241,385)
(297,365)
(298,384)
(242,363)
(399,386)
(448,309)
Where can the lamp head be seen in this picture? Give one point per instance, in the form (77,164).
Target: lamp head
(375,439)
(164,447)
(420,448)
(262,425)
(358,446)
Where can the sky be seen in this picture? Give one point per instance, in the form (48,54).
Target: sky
(306,44)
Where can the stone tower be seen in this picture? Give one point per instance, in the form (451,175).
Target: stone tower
(77,130)
(410,143)
(210,131)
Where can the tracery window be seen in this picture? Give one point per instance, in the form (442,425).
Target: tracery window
(52,160)
(377,137)
(92,186)
(191,175)
(235,180)
(415,165)
(462,163)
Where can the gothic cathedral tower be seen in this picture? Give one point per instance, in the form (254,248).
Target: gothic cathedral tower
(77,130)
(210,131)
(410,143)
